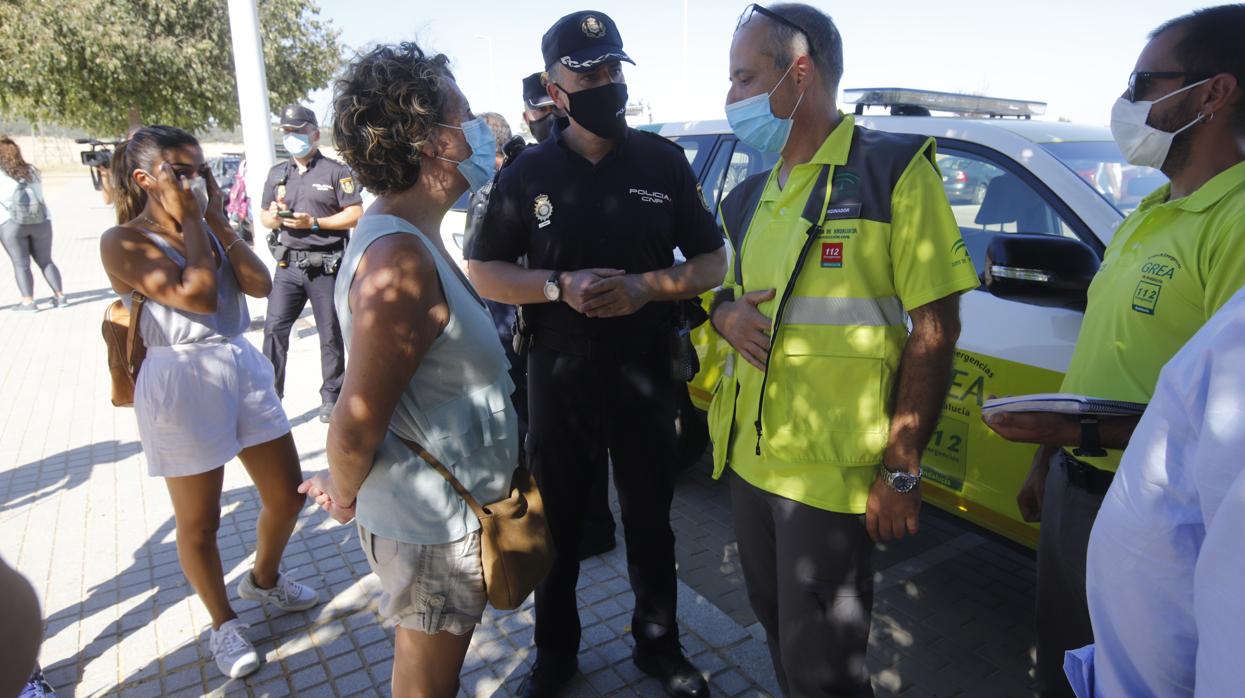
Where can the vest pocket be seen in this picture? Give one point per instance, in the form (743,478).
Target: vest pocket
(825,408)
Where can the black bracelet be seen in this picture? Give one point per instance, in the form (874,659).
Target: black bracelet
(725,295)
(1091,440)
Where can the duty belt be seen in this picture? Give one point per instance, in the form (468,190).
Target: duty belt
(1087,477)
(307,259)
(600,349)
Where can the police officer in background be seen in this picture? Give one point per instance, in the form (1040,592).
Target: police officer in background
(539,110)
(598,210)
(310,203)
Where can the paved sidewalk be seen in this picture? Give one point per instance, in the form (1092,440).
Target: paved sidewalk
(81,519)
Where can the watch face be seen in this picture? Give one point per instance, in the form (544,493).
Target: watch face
(902,482)
(552,292)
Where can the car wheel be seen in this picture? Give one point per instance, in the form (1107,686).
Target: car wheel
(979,194)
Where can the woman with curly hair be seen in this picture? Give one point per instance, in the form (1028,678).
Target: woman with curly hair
(423,363)
(25,226)
(204,394)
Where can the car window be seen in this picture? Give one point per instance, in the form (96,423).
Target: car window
(697,150)
(1102,165)
(745,161)
(987,199)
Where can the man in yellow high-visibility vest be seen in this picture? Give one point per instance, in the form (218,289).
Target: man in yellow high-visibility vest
(827,399)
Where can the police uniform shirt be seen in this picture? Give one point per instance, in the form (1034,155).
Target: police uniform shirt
(325,189)
(629,211)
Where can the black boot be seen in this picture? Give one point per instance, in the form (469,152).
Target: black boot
(667,664)
(549,674)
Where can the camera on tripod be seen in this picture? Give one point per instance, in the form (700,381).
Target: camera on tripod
(97,158)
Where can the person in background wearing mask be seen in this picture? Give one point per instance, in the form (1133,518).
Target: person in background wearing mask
(204,395)
(598,210)
(828,399)
(539,109)
(424,365)
(310,202)
(1183,114)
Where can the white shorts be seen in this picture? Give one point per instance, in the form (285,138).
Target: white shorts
(198,405)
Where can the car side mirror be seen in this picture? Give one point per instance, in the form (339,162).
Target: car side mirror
(1040,270)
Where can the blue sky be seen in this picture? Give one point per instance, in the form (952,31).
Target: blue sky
(1073,54)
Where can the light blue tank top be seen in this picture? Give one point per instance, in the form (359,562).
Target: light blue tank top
(163,326)
(457,406)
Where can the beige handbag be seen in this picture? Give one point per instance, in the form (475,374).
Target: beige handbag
(126,350)
(515,547)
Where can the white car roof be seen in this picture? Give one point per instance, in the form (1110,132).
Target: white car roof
(968,128)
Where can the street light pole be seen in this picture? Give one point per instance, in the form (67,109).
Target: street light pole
(248,63)
(492,72)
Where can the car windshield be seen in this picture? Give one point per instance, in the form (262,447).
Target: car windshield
(1101,164)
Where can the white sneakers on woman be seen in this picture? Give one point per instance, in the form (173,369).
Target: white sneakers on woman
(287,595)
(235,655)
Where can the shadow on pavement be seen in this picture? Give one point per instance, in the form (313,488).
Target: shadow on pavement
(61,472)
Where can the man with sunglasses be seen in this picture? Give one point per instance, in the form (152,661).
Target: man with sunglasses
(1171,264)
(827,400)
(597,210)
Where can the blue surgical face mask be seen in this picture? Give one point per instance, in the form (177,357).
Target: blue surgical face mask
(479,167)
(299,144)
(753,120)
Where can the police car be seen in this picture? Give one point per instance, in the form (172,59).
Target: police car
(1051,196)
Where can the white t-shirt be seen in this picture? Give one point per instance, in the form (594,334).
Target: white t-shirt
(8,185)
(1166,569)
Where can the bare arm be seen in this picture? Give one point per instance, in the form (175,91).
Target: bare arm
(507,282)
(340,222)
(624,295)
(398,311)
(252,275)
(924,375)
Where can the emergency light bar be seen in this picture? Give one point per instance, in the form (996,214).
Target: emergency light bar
(907,102)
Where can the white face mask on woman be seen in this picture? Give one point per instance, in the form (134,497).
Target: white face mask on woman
(1142,144)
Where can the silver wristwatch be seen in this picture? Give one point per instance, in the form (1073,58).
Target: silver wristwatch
(553,288)
(901,481)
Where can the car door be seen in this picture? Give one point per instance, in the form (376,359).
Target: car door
(1005,347)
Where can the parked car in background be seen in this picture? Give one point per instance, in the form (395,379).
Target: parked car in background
(965,180)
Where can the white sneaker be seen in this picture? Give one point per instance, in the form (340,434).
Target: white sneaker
(235,655)
(287,595)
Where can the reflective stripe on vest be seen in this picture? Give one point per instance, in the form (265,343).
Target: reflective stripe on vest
(871,312)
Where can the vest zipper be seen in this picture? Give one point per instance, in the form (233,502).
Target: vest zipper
(813,231)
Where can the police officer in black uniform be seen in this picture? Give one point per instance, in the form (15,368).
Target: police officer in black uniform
(598,210)
(310,203)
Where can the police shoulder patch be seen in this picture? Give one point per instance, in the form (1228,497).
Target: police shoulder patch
(347,184)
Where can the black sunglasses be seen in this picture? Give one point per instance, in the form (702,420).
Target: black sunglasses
(1139,80)
(754,9)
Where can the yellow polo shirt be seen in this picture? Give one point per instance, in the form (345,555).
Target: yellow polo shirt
(1168,269)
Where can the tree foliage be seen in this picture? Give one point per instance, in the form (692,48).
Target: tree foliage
(94,64)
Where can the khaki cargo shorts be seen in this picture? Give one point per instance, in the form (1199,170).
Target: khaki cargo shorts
(428,588)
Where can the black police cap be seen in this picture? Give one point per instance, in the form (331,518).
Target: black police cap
(583,40)
(297,116)
(534,94)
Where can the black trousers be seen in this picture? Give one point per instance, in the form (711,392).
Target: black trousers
(809,574)
(291,289)
(598,521)
(581,412)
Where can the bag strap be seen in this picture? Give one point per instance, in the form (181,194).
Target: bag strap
(445,473)
(132,337)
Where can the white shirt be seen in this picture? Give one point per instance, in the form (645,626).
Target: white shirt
(8,185)
(1166,568)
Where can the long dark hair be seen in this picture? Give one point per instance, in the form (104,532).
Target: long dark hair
(12,162)
(142,149)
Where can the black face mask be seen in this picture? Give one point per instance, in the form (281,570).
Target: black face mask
(541,128)
(601,110)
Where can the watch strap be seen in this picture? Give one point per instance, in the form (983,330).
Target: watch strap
(1091,440)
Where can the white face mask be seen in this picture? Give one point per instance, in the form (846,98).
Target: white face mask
(1142,144)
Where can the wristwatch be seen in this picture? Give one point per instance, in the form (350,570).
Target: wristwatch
(553,288)
(901,481)
(1091,439)
(315,225)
